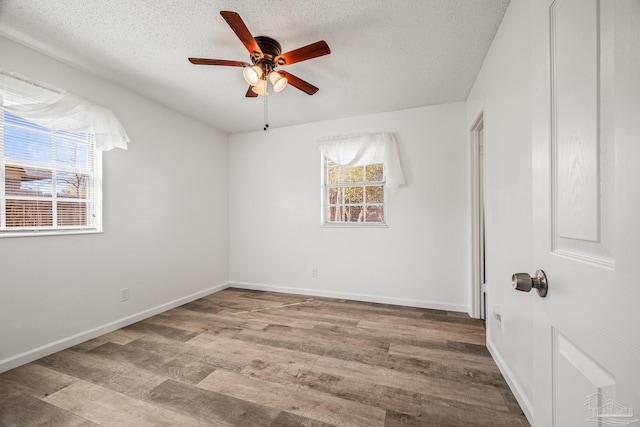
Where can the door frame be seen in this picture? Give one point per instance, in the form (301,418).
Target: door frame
(478,190)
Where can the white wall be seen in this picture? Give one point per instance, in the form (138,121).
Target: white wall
(59,290)
(421,259)
(503,91)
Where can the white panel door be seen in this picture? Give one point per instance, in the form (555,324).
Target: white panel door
(586,187)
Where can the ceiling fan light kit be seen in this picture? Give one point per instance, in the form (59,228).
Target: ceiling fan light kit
(260,88)
(278,81)
(256,78)
(252,75)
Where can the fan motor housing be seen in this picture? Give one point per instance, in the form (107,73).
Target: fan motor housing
(270,48)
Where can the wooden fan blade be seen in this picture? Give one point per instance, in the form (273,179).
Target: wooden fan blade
(237,25)
(205,61)
(298,83)
(251,93)
(310,51)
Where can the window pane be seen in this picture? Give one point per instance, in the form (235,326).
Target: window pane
(71,153)
(73,185)
(26,145)
(335,175)
(354,213)
(375,194)
(354,195)
(335,196)
(75,135)
(342,175)
(354,174)
(375,172)
(336,214)
(12,119)
(28,182)
(72,213)
(375,214)
(29,213)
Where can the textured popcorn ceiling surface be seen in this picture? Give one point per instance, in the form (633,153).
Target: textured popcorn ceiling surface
(385,55)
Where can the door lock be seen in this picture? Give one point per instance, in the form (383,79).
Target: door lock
(523,282)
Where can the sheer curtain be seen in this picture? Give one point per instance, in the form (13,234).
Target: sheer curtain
(50,107)
(363,149)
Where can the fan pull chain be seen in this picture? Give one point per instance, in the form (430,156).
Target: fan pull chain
(266,111)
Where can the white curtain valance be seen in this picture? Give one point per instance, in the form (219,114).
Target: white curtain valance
(60,110)
(364,149)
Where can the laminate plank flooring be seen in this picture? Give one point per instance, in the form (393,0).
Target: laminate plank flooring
(251,358)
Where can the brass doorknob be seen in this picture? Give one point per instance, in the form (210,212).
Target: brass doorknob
(523,282)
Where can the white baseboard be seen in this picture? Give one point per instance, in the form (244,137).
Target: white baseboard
(351,296)
(53,347)
(517,391)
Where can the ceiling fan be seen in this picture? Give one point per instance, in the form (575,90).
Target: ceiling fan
(266,55)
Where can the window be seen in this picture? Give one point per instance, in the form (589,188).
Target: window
(49,179)
(353,195)
(51,145)
(355,171)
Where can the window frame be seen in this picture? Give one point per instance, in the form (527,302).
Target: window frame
(324,191)
(94,200)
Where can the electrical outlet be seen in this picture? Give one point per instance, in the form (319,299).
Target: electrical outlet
(314,272)
(124,294)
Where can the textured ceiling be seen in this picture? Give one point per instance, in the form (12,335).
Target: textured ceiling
(385,54)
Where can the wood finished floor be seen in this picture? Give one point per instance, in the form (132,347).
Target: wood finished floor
(250,358)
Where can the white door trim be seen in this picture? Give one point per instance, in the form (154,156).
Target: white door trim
(477,217)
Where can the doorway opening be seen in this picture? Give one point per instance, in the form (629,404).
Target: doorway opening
(478,293)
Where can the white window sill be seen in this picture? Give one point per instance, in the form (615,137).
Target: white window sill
(37,233)
(355,225)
